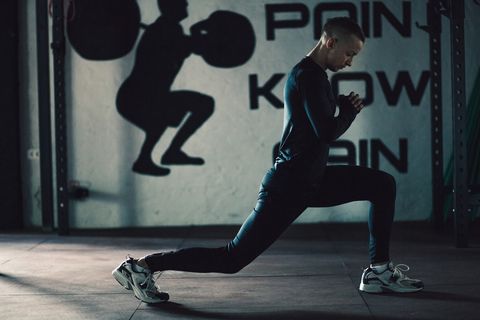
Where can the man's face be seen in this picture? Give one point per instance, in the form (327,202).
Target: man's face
(341,52)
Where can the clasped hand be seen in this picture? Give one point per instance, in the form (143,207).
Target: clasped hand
(354,101)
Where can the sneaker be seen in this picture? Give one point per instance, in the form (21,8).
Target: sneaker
(132,276)
(389,278)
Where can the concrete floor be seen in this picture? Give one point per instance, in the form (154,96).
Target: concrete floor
(310,273)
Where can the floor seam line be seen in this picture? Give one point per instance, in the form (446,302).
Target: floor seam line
(136,309)
(36,245)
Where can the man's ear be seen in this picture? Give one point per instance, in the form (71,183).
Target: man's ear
(331,42)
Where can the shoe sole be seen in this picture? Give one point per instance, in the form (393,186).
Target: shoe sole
(377,288)
(142,297)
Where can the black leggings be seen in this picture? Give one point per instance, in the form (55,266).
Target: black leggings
(281,200)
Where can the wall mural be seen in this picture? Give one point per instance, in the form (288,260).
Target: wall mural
(107,29)
(173,96)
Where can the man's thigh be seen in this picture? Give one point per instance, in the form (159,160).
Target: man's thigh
(342,184)
(269,219)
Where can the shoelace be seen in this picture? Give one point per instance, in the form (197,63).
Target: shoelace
(150,284)
(149,281)
(399,270)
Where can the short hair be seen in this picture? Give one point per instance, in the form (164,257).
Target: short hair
(344,25)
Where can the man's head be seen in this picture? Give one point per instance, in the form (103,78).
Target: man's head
(173,9)
(341,40)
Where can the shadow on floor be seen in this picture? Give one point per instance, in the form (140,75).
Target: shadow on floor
(435,295)
(173,308)
(74,302)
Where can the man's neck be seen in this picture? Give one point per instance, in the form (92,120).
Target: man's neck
(318,57)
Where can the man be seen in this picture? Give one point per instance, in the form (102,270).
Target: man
(299,179)
(147,100)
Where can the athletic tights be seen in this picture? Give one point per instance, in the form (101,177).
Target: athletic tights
(281,199)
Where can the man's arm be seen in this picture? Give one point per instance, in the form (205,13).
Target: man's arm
(320,110)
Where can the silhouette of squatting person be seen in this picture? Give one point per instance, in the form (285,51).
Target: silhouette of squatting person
(146,99)
(299,179)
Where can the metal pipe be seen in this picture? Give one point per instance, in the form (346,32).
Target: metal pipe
(44,115)
(460,167)
(58,47)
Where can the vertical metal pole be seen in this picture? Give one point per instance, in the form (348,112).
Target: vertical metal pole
(58,47)
(460,170)
(434,19)
(43,66)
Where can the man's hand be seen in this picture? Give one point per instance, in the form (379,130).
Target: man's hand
(356,102)
(352,101)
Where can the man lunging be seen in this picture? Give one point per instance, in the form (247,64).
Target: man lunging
(299,179)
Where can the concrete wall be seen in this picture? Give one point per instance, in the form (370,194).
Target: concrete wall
(29,129)
(236,142)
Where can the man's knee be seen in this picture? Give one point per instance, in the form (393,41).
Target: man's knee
(233,262)
(387,184)
(206,106)
(234,267)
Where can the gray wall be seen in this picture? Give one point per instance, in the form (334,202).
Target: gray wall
(29,115)
(236,141)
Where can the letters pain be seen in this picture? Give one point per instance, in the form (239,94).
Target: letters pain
(369,149)
(372,16)
(345,152)
(374,12)
(366,13)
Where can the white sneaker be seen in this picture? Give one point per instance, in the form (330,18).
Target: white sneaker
(131,276)
(390,279)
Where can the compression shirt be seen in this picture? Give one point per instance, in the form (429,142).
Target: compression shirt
(310,124)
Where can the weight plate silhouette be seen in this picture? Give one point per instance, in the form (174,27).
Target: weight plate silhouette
(103,29)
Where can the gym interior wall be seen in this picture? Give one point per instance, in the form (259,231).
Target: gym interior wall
(174,112)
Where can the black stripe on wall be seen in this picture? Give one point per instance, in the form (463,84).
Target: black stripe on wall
(10,191)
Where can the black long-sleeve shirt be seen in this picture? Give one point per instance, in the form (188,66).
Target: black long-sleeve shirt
(310,124)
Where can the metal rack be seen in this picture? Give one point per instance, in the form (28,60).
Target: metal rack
(58,47)
(463,198)
(434,29)
(461,208)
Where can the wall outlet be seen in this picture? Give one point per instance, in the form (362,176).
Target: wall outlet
(33,154)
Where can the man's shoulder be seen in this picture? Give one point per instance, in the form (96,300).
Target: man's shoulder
(308,70)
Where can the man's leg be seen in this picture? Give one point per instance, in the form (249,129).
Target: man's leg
(199,108)
(342,184)
(278,205)
(144,163)
(273,213)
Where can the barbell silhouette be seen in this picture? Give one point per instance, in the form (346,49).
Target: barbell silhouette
(108,29)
